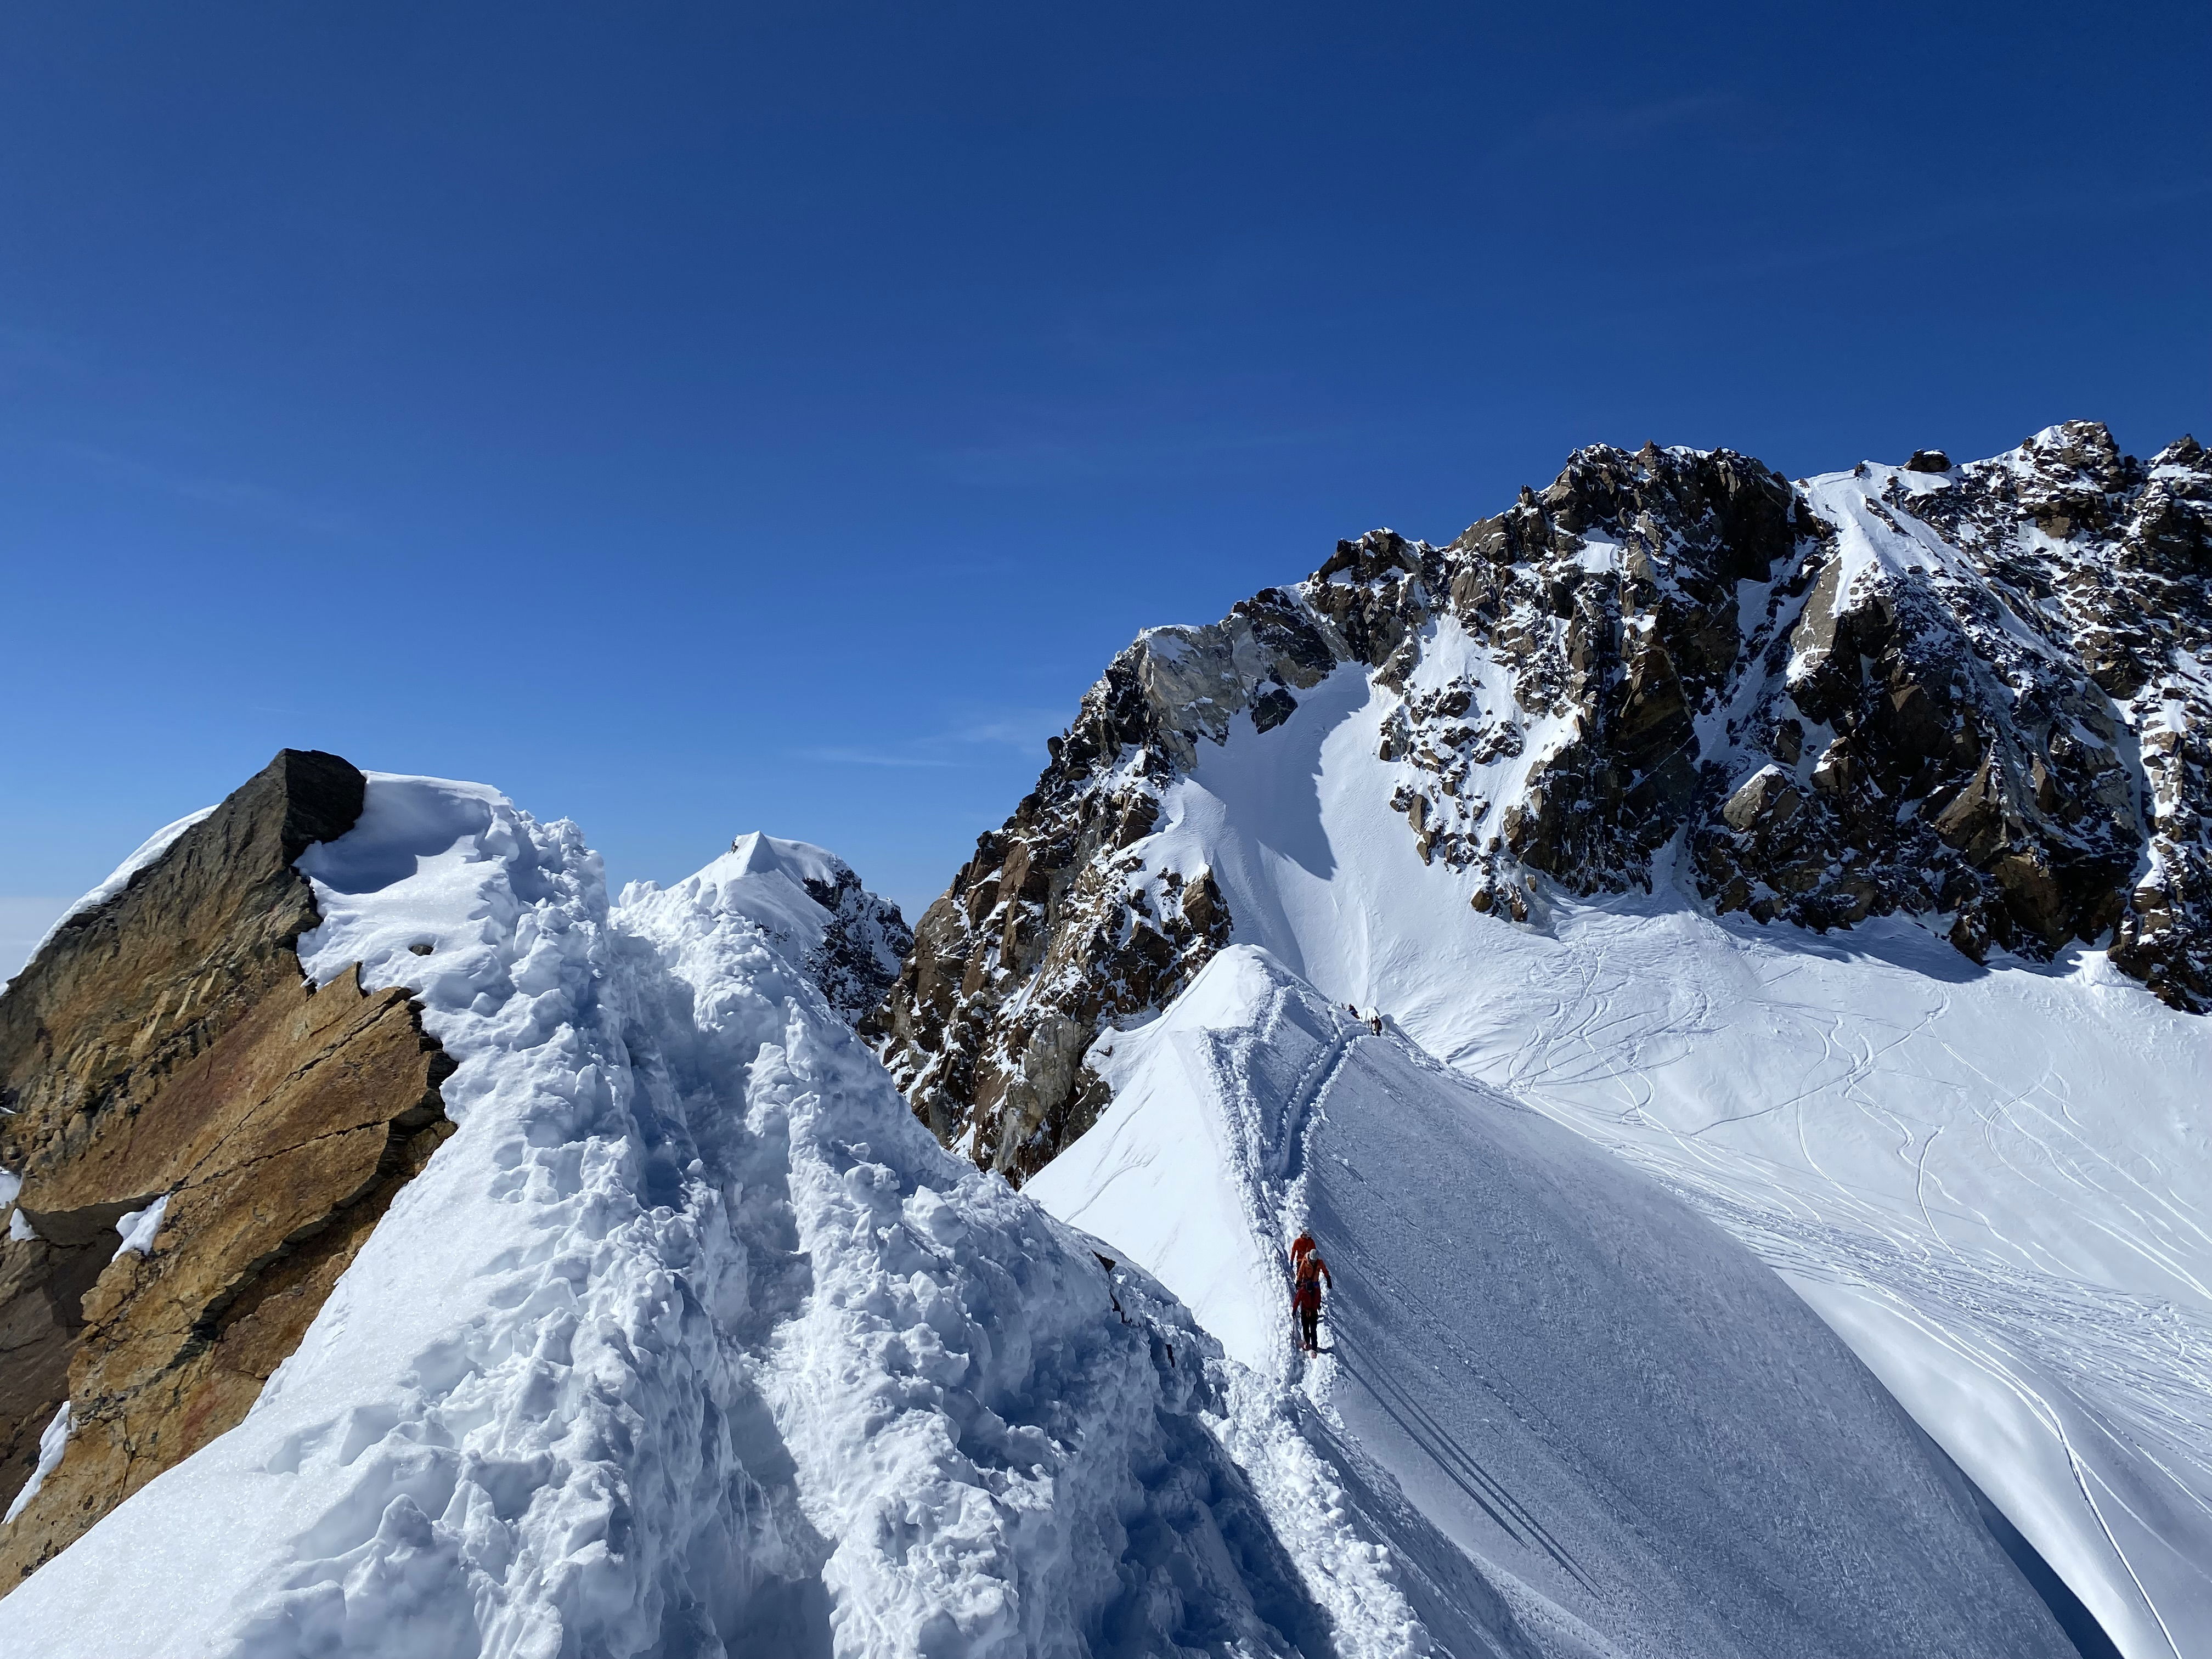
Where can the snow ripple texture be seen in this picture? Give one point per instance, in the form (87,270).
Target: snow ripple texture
(690,1341)
(1571,1417)
(1989,1181)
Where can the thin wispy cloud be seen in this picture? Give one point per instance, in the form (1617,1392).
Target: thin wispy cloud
(236,495)
(836,757)
(1025,731)
(1614,128)
(979,741)
(1955,222)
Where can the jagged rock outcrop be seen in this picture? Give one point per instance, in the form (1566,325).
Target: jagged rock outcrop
(164,1048)
(1047,935)
(1975,695)
(864,941)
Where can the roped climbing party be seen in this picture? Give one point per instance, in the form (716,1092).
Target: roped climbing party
(1309,1273)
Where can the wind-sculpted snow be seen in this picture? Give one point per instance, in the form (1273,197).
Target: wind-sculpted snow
(689,1340)
(1989,1181)
(811,904)
(1579,1419)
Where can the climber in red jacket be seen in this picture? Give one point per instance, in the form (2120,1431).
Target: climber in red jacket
(1309,1273)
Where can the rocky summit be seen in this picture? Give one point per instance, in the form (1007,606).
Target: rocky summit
(1974,696)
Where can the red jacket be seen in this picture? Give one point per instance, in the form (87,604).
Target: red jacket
(1312,1273)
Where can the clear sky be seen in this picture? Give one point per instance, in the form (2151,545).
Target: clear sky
(694,419)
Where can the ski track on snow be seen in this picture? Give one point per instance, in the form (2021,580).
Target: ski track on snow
(1988,1179)
(1474,1393)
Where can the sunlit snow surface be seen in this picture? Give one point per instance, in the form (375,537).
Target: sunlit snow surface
(689,1341)
(1992,1184)
(1580,1417)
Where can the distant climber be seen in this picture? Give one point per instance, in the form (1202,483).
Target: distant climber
(1309,1273)
(1108,1264)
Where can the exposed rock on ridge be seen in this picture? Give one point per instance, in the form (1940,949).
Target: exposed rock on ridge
(1974,695)
(812,904)
(164,1045)
(863,942)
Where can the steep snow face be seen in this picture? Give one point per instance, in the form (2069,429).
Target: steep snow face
(689,1340)
(1989,1180)
(1579,1418)
(810,903)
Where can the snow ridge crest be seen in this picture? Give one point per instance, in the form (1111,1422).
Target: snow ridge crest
(691,1339)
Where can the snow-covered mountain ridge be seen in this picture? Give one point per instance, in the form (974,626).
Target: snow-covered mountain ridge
(1833,852)
(1975,696)
(687,1339)
(1721,871)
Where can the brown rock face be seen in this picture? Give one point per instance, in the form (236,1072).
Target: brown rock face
(165,1045)
(1044,940)
(1979,695)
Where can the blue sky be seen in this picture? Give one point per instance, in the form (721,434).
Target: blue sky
(701,418)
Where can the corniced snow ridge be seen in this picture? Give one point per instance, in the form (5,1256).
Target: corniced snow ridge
(1579,1418)
(1835,852)
(688,1339)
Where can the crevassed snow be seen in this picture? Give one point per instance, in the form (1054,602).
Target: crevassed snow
(689,1341)
(118,878)
(1574,1416)
(1990,1182)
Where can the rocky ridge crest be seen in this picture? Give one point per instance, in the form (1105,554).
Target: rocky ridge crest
(1975,695)
(164,1047)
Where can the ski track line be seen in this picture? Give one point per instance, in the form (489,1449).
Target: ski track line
(1453,1459)
(1847,1064)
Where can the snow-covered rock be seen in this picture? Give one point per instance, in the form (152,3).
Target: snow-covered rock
(812,906)
(1833,851)
(1979,698)
(170,1082)
(688,1339)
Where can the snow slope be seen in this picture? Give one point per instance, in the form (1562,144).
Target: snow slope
(811,905)
(1990,1182)
(1580,1418)
(689,1341)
